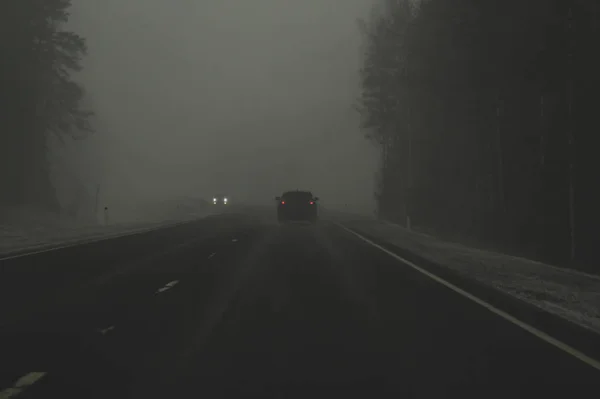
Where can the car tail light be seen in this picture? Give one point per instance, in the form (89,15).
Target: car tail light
(312,202)
(282,202)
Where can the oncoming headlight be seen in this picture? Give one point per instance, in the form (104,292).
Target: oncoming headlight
(225,200)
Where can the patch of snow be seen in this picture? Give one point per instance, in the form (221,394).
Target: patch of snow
(25,228)
(570,294)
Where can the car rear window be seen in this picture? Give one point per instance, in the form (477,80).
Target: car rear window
(297,195)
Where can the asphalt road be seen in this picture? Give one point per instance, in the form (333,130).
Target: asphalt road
(236,306)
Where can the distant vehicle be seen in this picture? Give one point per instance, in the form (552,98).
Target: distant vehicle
(220,200)
(297,206)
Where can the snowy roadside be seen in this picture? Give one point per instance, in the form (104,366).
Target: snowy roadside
(14,239)
(570,294)
(25,236)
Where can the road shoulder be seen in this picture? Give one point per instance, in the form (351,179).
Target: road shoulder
(581,339)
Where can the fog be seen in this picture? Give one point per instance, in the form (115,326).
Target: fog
(247,98)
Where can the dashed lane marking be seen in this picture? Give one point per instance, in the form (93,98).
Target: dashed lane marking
(106,330)
(22,383)
(167,286)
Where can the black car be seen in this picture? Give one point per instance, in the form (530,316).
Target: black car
(297,206)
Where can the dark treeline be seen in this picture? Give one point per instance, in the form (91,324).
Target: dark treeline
(37,96)
(487,116)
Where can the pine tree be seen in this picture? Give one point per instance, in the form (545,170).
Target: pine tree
(38,96)
(480,118)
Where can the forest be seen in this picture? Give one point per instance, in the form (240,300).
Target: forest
(38,97)
(485,113)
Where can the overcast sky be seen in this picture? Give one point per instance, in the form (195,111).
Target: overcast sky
(245,97)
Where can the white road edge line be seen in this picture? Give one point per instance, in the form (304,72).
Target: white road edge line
(74,243)
(211,255)
(538,333)
(167,286)
(21,384)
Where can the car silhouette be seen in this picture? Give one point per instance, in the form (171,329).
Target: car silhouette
(297,206)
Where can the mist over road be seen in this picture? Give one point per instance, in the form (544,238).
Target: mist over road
(235,305)
(248,98)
